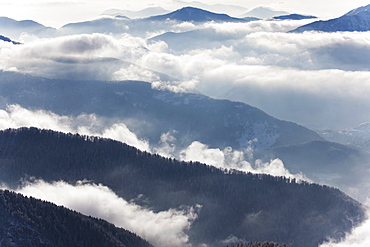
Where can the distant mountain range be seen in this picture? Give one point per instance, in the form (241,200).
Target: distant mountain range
(28,222)
(191,115)
(192,14)
(234,10)
(355,20)
(246,206)
(14,29)
(140,27)
(358,136)
(263,13)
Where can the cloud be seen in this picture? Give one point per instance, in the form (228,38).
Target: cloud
(176,86)
(167,145)
(164,228)
(84,57)
(359,236)
(312,78)
(15,116)
(133,72)
(242,29)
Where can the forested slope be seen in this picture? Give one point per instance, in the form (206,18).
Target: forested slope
(247,206)
(28,222)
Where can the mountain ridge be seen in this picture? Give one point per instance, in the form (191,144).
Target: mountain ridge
(302,214)
(263,12)
(193,14)
(238,122)
(355,20)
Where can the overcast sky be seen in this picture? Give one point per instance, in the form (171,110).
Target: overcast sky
(56,13)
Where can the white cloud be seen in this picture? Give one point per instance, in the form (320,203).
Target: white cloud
(164,228)
(235,159)
(167,145)
(176,86)
(136,73)
(85,56)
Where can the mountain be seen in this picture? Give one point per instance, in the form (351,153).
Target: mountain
(6,39)
(294,17)
(136,14)
(232,203)
(141,27)
(217,123)
(355,20)
(192,14)
(263,13)
(150,113)
(28,222)
(14,29)
(234,10)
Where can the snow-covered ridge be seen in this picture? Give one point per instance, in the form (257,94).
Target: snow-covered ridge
(359,10)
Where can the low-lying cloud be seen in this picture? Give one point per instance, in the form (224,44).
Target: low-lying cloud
(15,116)
(164,228)
(359,236)
(317,79)
(235,159)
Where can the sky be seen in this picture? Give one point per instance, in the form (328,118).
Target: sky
(56,13)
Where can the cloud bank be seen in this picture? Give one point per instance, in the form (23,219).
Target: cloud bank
(165,228)
(312,78)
